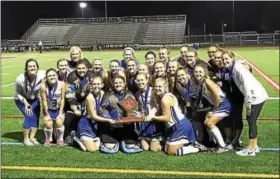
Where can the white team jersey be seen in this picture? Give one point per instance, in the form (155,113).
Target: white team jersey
(23,87)
(176,112)
(210,97)
(151,108)
(54,103)
(251,88)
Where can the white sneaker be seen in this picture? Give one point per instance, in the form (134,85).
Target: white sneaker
(246,152)
(34,141)
(82,146)
(28,143)
(257,149)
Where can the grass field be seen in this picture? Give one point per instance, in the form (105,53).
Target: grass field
(70,162)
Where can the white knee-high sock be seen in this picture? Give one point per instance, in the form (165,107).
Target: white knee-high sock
(218,136)
(60,133)
(186,150)
(48,133)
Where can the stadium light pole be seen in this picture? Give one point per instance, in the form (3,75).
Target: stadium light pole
(82,6)
(106,10)
(233,16)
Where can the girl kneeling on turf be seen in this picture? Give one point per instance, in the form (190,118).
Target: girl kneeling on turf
(53,98)
(181,138)
(87,133)
(150,132)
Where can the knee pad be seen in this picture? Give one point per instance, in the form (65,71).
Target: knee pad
(107,150)
(130,148)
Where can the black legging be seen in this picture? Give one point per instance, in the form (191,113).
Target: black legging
(252,120)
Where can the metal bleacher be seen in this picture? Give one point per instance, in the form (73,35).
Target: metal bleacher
(171,32)
(49,34)
(114,30)
(105,33)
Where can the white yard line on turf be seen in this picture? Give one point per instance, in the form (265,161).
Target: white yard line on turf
(3,86)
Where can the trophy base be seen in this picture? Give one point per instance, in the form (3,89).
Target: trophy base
(130,119)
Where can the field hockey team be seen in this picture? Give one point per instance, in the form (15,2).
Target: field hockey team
(189,105)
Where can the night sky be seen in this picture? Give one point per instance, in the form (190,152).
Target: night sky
(18,17)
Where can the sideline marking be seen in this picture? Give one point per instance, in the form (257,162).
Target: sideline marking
(134,171)
(267,78)
(3,86)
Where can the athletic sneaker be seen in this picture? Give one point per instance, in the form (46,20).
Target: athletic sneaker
(221,150)
(257,149)
(28,143)
(34,141)
(72,134)
(59,143)
(47,143)
(246,152)
(82,146)
(201,147)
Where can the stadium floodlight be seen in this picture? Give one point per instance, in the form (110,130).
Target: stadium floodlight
(82,6)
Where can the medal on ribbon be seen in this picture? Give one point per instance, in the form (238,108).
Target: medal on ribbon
(32,96)
(82,85)
(145,99)
(187,94)
(200,105)
(97,102)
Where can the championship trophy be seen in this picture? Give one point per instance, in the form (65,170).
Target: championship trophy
(129,105)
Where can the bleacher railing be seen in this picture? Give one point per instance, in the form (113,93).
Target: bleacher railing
(128,19)
(30,30)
